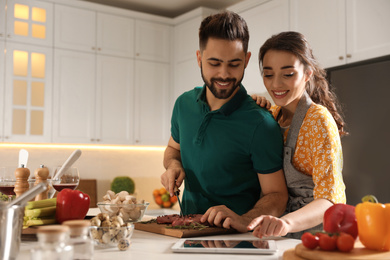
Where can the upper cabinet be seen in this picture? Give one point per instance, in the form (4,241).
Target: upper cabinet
(29,22)
(367,36)
(27,98)
(2,72)
(90,31)
(343,31)
(2,19)
(152,41)
(264,20)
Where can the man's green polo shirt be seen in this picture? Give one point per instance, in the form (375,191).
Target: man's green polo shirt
(223,150)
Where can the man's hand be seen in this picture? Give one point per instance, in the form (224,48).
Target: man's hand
(267,225)
(172,177)
(261,101)
(222,216)
(174,174)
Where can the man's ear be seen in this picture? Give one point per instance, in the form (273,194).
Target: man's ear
(199,58)
(247,58)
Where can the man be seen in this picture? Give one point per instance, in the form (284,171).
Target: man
(228,150)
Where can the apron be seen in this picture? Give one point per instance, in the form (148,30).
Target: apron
(300,186)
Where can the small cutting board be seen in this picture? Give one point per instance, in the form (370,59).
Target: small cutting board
(164,229)
(359,252)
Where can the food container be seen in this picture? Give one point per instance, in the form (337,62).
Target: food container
(128,212)
(112,237)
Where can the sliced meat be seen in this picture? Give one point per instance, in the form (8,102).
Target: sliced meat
(167,219)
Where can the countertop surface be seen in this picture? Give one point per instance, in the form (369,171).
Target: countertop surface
(146,245)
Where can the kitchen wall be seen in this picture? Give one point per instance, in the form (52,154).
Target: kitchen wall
(143,166)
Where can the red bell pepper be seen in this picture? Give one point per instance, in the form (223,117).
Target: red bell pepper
(341,218)
(71,204)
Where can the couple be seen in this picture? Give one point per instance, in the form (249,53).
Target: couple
(245,168)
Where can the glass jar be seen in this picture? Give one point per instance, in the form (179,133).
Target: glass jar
(53,243)
(82,245)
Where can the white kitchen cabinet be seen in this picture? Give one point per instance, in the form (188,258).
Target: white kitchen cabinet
(152,41)
(186,71)
(94,32)
(74,96)
(323,24)
(75,28)
(263,21)
(343,31)
(29,22)
(2,19)
(93,98)
(115,35)
(152,118)
(2,99)
(367,32)
(115,100)
(28,93)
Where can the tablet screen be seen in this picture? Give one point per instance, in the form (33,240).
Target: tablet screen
(257,246)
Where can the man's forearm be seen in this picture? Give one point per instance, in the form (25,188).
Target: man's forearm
(271,204)
(171,156)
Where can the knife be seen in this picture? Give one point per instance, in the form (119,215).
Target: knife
(177,193)
(23,158)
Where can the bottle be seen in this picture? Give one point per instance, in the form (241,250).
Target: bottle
(82,245)
(41,175)
(21,183)
(53,243)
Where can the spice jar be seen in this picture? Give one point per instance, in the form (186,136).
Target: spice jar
(82,245)
(53,243)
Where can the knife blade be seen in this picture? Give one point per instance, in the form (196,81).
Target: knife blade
(23,158)
(177,193)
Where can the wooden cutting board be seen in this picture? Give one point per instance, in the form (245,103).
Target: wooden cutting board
(181,233)
(359,252)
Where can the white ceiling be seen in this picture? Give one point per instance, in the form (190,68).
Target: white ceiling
(167,8)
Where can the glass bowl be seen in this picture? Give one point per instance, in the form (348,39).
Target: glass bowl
(128,212)
(112,236)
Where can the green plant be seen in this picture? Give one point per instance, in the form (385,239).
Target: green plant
(123,183)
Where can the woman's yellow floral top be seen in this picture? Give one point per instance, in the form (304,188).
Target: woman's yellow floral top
(318,153)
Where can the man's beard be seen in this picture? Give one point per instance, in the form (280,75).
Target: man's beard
(221,93)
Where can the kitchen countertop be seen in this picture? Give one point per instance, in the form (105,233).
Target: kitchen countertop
(146,245)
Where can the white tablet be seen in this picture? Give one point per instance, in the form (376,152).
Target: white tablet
(256,246)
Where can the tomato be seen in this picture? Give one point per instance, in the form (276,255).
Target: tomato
(327,243)
(156,192)
(163,191)
(345,242)
(309,240)
(173,199)
(167,204)
(158,200)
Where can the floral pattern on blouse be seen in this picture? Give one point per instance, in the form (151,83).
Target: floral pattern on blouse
(318,153)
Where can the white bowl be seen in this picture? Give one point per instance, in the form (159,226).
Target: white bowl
(110,237)
(128,212)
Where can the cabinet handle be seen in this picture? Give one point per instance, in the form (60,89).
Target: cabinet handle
(341,57)
(99,49)
(97,140)
(349,56)
(92,140)
(137,54)
(137,141)
(6,137)
(93,48)
(9,35)
(1,35)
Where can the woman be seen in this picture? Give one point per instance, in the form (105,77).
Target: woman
(307,113)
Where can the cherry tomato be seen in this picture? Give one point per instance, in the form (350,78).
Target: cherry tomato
(345,242)
(327,243)
(309,240)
